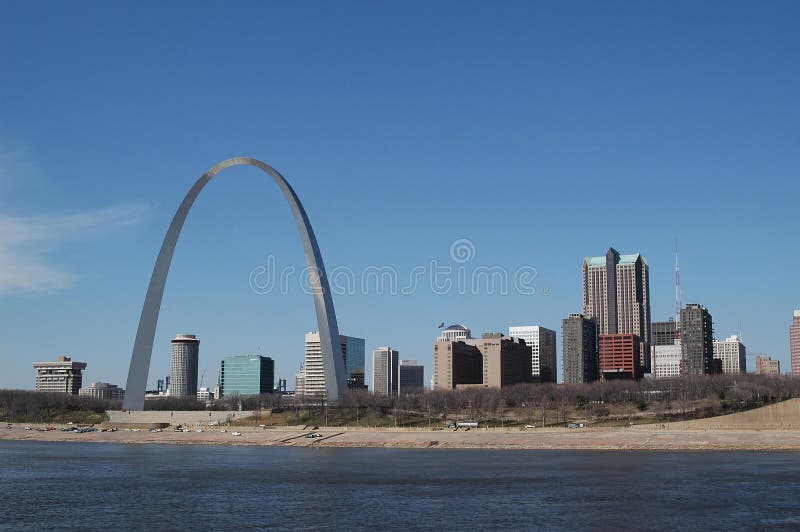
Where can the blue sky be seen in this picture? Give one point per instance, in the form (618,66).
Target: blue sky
(540,132)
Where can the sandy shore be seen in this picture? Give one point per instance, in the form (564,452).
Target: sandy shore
(636,438)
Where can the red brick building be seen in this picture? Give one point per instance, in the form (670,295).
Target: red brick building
(619,356)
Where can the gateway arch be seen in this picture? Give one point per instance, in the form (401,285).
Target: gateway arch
(332,359)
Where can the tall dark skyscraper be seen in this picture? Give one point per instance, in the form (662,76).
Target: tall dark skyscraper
(412,377)
(697,340)
(664,332)
(579,340)
(616,292)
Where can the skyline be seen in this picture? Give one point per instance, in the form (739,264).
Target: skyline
(518,143)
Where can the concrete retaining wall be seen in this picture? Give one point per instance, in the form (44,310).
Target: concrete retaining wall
(780,416)
(178,417)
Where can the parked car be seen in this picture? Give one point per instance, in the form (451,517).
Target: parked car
(236,433)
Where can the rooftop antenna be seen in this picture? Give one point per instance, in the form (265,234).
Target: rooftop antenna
(677,291)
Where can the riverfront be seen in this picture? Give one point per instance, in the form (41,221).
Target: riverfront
(610,438)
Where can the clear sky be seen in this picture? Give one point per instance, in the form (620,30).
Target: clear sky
(538,132)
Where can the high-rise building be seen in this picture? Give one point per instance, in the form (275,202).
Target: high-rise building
(353,352)
(579,346)
(385,371)
(354,362)
(62,376)
(732,353)
(616,291)
(697,340)
(506,361)
(493,361)
(456,363)
(542,342)
(664,332)
(794,343)
(619,356)
(246,375)
(666,360)
(103,390)
(300,382)
(185,359)
(412,377)
(767,365)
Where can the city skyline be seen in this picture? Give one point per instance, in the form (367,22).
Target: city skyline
(657,129)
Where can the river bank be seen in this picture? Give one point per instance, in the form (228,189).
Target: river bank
(644,437)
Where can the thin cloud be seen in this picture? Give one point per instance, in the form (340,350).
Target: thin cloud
(27,242)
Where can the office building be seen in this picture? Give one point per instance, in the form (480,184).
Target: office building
(205,395)
(412,377)
(246,375)
(616,292)
(385,371)
(493,361)
(103,390)
(697,340)
(185,359)
(581,360)
(456,363)
(542,342)
(767,366)
(664,332)
(353,350)
(619,356)
(506,360)
(666,360)
(62,376)
(300,382)
(794,343)
(732,353)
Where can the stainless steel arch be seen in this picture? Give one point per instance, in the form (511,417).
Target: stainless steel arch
(332,359)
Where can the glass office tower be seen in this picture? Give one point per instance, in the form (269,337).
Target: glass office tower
(246,375)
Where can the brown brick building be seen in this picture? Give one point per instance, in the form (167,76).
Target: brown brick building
(493,361)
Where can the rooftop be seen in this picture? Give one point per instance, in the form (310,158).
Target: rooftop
(623,259)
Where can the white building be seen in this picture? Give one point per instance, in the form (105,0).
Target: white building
(385,371)
(61,376)
(205,394)
(733,354)
(102,390)
(542,342)
(314,376)
(455,333)
(300,382)
(666,360)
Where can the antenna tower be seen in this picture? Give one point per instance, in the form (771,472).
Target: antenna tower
(677,290)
